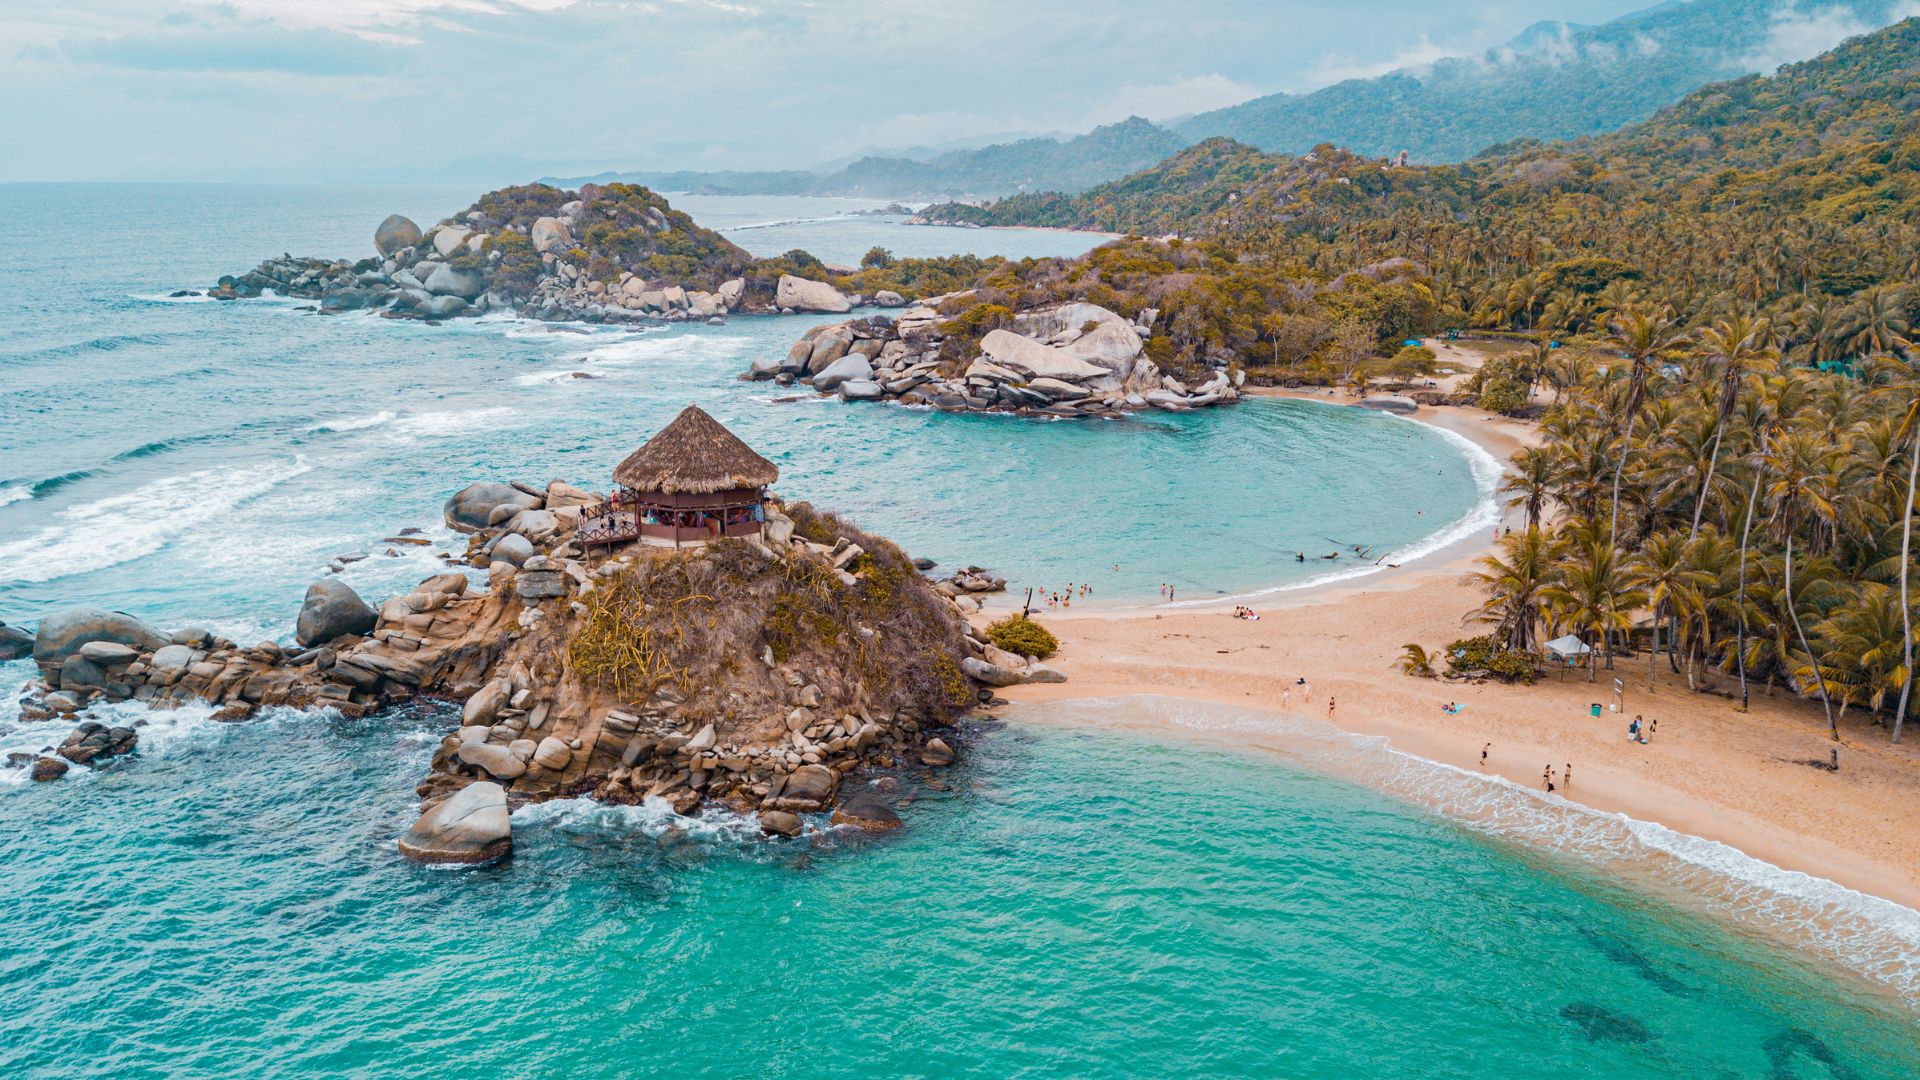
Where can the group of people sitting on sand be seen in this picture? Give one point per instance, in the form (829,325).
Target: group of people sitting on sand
(1246,613)
(1641,731)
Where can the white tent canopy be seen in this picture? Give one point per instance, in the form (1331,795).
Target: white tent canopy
(1568,648)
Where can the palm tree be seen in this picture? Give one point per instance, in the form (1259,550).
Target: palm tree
(1642,337)
(1513,579)
(1664,569)
(1736,346)
(1907,384)
(1590,591)
(1863,638)
(1536,470)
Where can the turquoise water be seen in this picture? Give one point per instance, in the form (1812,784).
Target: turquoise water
(206,460)
(1083,901)
(1080,902)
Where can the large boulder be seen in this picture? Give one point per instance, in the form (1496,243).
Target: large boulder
(1088,331)
(64,632)
(394,234)
(991,674)
(15,643)
(731,291)
(850,367)
(446,281)
(1394,403)
(550,234)
(469,826)
(1036,360)
(808,789)
(448,238)
(471,508)
(866,810)
(331,610)
(512,549)
(803,295)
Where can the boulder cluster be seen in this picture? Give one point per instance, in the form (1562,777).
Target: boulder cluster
(759,732)
(451,270)
(1075,359)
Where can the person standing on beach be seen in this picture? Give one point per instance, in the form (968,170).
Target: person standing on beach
(1566,776)
(1483,754)
(1652,730)
(1286,694)
(1329,706)
(1547,778)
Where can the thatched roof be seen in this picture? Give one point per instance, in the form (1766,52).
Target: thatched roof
(694,455)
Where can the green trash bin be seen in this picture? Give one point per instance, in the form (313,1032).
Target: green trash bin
(1596,708)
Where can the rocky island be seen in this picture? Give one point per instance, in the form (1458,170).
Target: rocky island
(1063,359)
(756,661)
(612,253)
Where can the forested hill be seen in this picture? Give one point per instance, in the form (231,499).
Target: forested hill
(1556,80)
(1037,164)
(1832,139)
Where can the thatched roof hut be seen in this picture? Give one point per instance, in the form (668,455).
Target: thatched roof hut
(694,455)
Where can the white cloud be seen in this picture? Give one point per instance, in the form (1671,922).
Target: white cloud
(1180,97)
(1795,35)
(1337,67)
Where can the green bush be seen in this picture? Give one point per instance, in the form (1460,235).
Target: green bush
(1503,396)
(1022,636)
(1478,656)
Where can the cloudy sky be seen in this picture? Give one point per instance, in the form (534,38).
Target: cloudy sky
(490,91)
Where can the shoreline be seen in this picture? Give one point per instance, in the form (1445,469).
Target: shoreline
(1712,773)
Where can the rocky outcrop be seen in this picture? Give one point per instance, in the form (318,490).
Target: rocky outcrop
(799,294)
(469,826)
(1073,359)
(768,672)
(64,633)
(532,264)
(475,506)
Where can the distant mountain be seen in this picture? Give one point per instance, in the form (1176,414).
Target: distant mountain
(1823,145)
(1555,80)
(1038,164)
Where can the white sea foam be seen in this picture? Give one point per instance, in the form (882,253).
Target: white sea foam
(163,298)
(354,423)
(555,377)
(450,422)
(651,817)
(1874,937)
(13,493)
(121,528)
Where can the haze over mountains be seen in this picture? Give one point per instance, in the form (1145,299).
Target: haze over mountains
(1554,80)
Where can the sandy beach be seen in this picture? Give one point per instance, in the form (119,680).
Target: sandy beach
(1709,770)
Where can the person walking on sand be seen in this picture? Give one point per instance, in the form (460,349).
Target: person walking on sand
(1547,778)
(1286,696)
(1329,706)
(1306,691)
(1566,776)
(1483,753)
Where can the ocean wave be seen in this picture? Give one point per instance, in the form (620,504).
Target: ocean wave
(167,298)
(1866,934)
(451,422)
(356,423)
(653,816)
(13,493)
(128,526)
(556,376)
